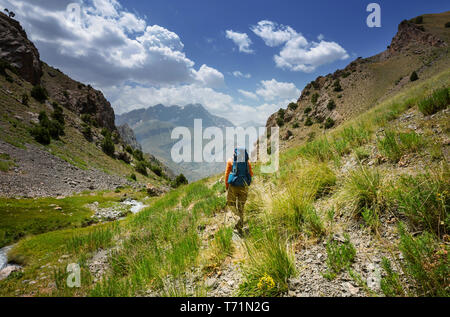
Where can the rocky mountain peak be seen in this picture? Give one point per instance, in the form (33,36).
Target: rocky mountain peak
(18,50)
(412,33)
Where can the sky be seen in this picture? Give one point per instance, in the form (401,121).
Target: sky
(241,59)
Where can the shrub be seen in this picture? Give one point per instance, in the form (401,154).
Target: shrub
(39,93)
(133,177)
(86,131)
(138,155)
(337,86)
(309,122)
(329,123)
(41,135)
(295,125)
(129,149)
(156,169)
(108,146)
(315,98)
(280,117)
(58,114)
(438,100)
(25,99)
(293,106)
(414,76)
(331,105)
(180,180)
(308,110)
(141,168)
(340,256)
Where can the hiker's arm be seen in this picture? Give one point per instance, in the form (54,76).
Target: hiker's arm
(250,169)
(227,173)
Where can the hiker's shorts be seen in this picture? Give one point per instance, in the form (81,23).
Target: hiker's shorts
(237,195)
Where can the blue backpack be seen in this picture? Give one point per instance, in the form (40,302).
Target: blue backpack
(240,175)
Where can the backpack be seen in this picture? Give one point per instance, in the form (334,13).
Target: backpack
(240,175)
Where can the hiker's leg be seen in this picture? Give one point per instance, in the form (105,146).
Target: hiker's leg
(242,199)
(232,199)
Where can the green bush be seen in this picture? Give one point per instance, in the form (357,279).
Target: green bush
(133,177)
(108,146)
(293,106)
(315,98)
(337,86)
(331,105)
(129,149)
(39,93)
(180,180)
(86,131)
(438,100)
(58,114)
(414,76)
(41,135)
(295,125)
(141,168)
(329,123)
(25,99)
(138,155)
(309,122)
(307,110)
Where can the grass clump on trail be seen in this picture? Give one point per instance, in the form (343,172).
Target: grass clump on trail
(396,144)
(340,256)
(269,267)
(438,100)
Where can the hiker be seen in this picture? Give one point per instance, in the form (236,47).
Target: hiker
(238,177)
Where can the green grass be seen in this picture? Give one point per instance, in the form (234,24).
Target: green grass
(340,256)
(362,190)
(425,265)
(269,267)
(424,199)
(394,145)
(438,100)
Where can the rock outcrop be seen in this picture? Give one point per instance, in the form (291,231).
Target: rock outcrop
(20,52)
(128,136)
(411,33)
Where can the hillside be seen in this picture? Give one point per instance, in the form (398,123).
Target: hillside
(335,98)
(74,160)
(153,128)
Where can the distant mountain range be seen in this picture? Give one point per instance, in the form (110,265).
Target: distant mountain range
(153,128)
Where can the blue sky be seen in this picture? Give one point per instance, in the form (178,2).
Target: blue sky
(242,60)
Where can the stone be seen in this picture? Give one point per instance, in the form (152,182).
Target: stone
(8,270)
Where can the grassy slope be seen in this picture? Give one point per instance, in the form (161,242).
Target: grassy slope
(286,209)
(72,147)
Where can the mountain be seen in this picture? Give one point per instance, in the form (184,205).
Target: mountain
(330,100)
(58,136)
(153,128)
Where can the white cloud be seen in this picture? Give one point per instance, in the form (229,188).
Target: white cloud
(298,54)
(275,90)
(109,46)
(241,40)
(239,74)
(272,33)
(248,94)
(210,77)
